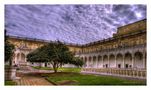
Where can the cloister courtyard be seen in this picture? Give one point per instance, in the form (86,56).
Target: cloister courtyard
(57,45)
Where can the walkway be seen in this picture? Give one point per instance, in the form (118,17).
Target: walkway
(32,78)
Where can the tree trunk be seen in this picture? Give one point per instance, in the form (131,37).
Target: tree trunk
(55,67)
(55,70)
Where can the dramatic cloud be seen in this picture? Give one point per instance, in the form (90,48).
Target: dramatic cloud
(77,24)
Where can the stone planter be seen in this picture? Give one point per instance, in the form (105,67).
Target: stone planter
(10,73)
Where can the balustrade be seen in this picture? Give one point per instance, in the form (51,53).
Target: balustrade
(114,71)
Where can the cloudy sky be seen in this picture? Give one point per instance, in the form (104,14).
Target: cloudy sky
(78,24)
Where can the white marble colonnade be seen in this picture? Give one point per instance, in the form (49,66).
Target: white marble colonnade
(131,58)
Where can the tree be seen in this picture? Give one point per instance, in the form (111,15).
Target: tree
(77,61)
(9,51)
(55,53)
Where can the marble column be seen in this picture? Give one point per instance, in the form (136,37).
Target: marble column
(96,62)
(133,60)
(115,62)
(87,63)
(102,62)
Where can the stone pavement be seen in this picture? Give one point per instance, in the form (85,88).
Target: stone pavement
(32,80)
(29,76)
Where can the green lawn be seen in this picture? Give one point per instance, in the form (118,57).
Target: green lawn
(59,69)
(72,74)
(70,70)
(90,79)
(10,83)
(42,68)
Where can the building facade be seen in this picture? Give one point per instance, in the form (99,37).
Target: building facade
(123,53)
(126,49)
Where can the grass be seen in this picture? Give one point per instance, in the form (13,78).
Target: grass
(59,69)
(7,83)
(91,79)
(72,74)
(78,70)
(42,68)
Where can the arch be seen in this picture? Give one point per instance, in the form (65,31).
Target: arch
(85,58)
(94,61)
(105,61)
(90,61)
(128,60)
(22,57)
(100,63)
(112,61)
(138,60)
(82,58)
(18,56)
(89,57)
(119,60)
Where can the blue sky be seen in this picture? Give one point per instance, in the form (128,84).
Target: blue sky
(78,24)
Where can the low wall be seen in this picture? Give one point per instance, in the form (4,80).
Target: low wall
(122,72)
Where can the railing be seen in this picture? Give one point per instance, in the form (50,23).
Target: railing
(118,72)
